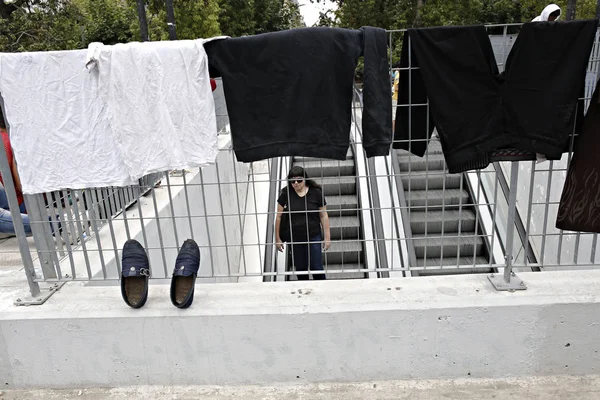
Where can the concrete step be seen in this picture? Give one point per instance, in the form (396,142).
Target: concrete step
(435,162)
(453,271)
(349,156)
(318,169)
(346,205)
(450,220)
(451,261)
(345,275)
(431,181)
(344,252)
(466,244)
(343,228)
(338,186)
(433,147)
(434,199)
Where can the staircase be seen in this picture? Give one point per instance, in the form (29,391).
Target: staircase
(338,180)
(439,202)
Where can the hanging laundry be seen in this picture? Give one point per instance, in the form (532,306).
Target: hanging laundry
(290,93)
(58,127)
(109,115)
(159,103)
(531,106)
(579,208)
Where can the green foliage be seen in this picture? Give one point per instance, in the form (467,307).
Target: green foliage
(41,25)
(237,17)
(38,25)
(106,21)
(193,18)
(399,14)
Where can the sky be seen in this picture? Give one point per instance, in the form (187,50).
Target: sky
(310,11)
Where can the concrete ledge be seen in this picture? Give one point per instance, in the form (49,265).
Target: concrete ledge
(526,388)
(259,333)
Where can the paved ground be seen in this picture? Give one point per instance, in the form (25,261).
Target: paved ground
(549,388)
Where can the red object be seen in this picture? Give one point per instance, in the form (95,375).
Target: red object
(9,155)
(213,84)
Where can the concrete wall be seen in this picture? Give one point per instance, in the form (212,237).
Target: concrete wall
(265,333)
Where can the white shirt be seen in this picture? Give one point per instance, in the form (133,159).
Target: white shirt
(140,108)
(160,104)
(58,127)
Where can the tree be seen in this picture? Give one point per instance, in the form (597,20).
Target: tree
(236,17)
(193,19)
(290,15)
(407,13)
(327,18)
(107,21)
(249,17)
(40,25)
(571,8)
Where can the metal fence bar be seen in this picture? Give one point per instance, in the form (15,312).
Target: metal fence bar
(11,194)
(172,209)
(81,237)
(160,236)
(222,218)
(94,221)
(210,247)
(44,247)
(143,227)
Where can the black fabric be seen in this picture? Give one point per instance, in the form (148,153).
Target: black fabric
(531,106)
(284,226)
(579,208)
(290,93)
(303,212)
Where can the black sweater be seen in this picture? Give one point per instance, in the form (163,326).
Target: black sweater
(531,106)
(290,93)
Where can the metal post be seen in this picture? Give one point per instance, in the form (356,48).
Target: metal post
(571,8)
(171,20)
(598,9)
(141,9)
(510,282)
(270,255)
(13,204)
(42,235)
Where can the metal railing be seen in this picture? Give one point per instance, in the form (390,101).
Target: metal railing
(508,210)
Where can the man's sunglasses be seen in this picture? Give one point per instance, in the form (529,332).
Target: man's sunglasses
(296,180)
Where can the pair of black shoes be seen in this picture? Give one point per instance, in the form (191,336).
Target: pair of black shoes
(136,273)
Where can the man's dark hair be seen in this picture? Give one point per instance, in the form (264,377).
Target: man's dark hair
(555,14)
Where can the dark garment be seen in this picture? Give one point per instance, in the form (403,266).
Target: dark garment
(290,93)
(579,208)
(308,257)
(531,106)
(303,211)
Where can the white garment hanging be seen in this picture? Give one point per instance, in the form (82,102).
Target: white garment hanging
(549,9)
(160,103)
(59,132)
(140,108)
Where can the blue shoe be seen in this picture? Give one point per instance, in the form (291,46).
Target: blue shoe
(184,274)
(135,274)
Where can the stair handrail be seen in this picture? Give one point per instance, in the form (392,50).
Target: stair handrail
(370,186)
